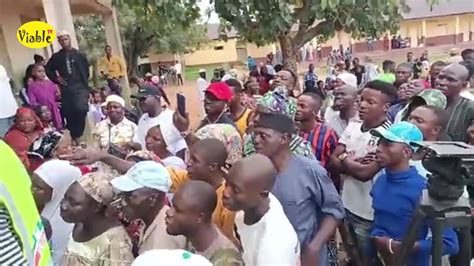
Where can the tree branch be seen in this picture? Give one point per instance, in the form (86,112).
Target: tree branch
(307,35)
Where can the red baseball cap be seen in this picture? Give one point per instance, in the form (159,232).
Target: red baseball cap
(220,90)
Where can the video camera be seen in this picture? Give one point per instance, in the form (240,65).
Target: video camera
(451,167)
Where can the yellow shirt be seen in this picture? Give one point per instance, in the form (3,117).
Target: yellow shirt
(223,218)
(114,66)
(243,121)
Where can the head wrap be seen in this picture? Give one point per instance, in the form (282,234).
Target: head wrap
(277,101)
(144,155)
(25,110)
(46,145)
(228,135)
(97,186)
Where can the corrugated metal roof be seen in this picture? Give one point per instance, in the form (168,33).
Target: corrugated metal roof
(421,9)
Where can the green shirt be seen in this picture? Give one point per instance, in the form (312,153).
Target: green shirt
(387,77)
(460,118)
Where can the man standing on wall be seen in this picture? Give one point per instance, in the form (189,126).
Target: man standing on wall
(70,70)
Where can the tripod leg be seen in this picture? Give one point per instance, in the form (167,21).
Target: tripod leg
(465,239)
(409,238)
(437,253)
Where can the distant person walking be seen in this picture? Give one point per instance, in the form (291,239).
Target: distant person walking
(178,68)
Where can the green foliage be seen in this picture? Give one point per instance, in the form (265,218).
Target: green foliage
(90,34)
(262,21)
(161,25)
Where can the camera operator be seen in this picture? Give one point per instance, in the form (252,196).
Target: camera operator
(395,195)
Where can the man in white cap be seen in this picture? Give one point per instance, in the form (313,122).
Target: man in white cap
(201,86)
(70,70)
(116,130)
(143,190)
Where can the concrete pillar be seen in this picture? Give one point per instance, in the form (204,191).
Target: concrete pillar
(457,26)
(58,14)
(13,56)
(112,34)
(423,33)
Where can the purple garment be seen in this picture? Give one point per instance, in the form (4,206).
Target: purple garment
(43,92)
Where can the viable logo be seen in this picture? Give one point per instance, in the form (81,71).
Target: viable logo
(36,34)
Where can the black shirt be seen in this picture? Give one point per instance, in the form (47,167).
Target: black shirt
(224,119)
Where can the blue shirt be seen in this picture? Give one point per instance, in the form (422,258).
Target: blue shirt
(395,196)
(307,195)
(394,109)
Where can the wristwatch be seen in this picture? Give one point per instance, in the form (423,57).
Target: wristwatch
(342,156)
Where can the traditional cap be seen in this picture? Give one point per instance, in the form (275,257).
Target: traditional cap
(403,132)
(148,75)
(97,186)
(202,70)
(144,174)
(220,90)
(63,33)
(115,99)
(348,78)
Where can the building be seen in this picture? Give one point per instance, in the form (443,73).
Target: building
(448,22)
(59,13)
(216,51)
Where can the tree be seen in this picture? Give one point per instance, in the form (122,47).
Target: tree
(292,23)
(157,25)
(90,34)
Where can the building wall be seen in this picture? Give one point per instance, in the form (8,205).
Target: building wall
(19,57)
(215,52)
(259,52)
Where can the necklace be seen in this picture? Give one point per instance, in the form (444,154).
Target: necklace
(219,117)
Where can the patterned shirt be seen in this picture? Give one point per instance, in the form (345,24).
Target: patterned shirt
(105,133)
(298,146)
(10,245)
(323,141)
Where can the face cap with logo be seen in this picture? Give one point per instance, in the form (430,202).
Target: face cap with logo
(402,132)
(221,91)
(146,174)
(145,91)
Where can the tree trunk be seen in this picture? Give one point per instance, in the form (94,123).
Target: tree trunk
(289,57)
(95,78)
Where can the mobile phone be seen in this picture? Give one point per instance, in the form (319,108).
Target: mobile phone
(181,101)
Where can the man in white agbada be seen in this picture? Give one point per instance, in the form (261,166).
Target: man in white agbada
(49,184)
(201,86)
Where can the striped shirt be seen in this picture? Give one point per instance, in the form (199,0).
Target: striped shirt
(323,141)
(10,246)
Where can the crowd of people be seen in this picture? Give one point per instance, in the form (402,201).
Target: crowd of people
(270,176)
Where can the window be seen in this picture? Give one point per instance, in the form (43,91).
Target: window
(220,47)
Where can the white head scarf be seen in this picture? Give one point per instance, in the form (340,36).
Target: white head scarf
(59,175)
(177,257)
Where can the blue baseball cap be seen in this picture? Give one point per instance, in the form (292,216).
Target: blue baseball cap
(147,174)
(402,132)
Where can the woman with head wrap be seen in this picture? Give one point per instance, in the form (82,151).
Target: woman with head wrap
(159,140)
(97,239)
(26,129)
(277,102)
(228,135)
(49,146)
(49,184)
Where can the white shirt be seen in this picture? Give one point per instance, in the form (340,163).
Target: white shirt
(201,85)
(260,248)
(356,194)
(178,68)
(174,162)
(146,122)
(8,104)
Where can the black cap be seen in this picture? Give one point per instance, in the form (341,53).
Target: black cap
(147,90)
